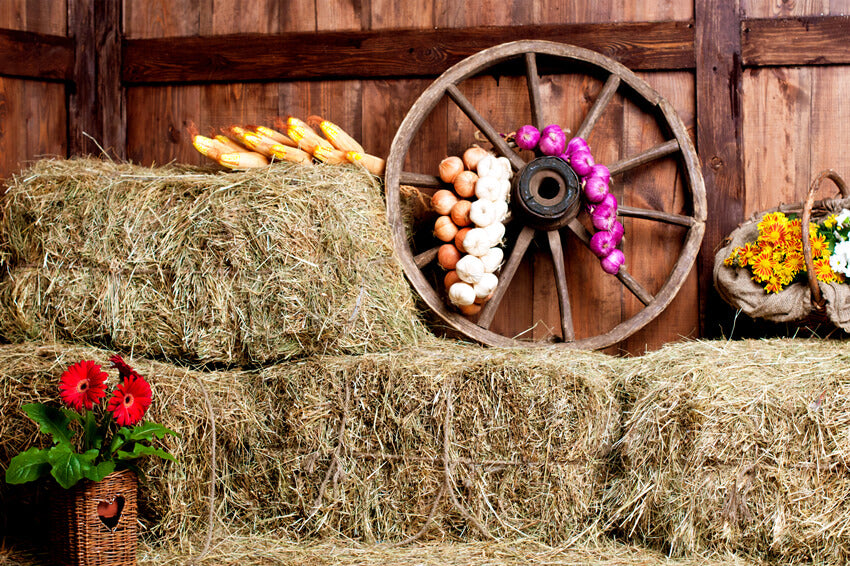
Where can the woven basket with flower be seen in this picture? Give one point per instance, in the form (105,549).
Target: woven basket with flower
(771,268)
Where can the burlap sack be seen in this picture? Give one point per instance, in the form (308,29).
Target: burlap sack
(794,303)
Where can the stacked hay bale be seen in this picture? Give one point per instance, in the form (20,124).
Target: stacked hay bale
(233,268)
(738,447)
(449,443)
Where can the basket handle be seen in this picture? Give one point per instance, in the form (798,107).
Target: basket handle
(817,298)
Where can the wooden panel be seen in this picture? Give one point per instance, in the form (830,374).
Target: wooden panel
(41,16)
(12,126)
(795,41)
(332,15)
(157,118)
(459,13)
(370,54)
(237,16)
(762,9)
(830,114)
(163,18)
(776,142)
(46,119)
(35,55)
(718,79)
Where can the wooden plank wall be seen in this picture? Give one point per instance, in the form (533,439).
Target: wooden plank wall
(32,111)
(771,119)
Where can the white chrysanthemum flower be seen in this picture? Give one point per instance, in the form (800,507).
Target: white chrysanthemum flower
(839,261)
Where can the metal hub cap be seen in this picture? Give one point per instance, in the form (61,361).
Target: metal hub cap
(545,193)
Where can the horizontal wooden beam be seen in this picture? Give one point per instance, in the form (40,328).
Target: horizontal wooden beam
(386,54)
(795,41)
(36,56)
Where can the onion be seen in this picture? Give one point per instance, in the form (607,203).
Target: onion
(612,262)
(495,231)
(448,256)
(470,310)
(470,269)
(445,229)
(443,201)
(609,200)
(450,279)
(603,217)
(576,144)
(485,286)
(465,183)
(553,140)
(477,242)
(581,162)
(450,167)
(460,213)
(616,230)
(527,137)
(473,155)
(461,294)
(488,188)
(601,243)
(492,259)
(595,189)
(601,171)
(460,237)
(483,212)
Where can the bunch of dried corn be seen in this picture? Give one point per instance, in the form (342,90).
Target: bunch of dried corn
(292,140)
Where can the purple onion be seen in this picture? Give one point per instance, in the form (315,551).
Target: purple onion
(581,162)
(613,261)
(602,243)
(527,137)
(603,217)
(610,200)
(595,189)
(616,230)
(553,140)
(601,171)
(576,144)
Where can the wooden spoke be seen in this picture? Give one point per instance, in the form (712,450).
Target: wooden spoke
(426,257)
(624,276)
(657,152)
(506,275)
(420,180)
(533,80)
(561,283)
(632,285)
(667,217)
(486,128)
(608,91)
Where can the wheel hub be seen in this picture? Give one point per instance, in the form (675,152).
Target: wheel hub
(545,193)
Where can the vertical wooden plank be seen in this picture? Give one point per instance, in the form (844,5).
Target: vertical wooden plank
(13,15)
(157,121)
(161,18)
(776,142)
(783,8)
(235,16)
(458,13)
(718,76)
(46,16)
(585,11)
(45,120)
(830,115)
(340,15)
(12,126)
(388,14)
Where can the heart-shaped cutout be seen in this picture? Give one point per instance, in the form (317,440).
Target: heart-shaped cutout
(109,512)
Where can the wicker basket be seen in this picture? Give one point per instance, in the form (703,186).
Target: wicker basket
(94,523)
(801,303)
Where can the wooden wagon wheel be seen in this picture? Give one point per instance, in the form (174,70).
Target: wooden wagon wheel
(618,78)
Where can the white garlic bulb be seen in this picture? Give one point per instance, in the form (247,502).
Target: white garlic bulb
(477,241)
(488,188)
(495,233)
(492,259)
(485,286)
(470,269)
(462,294)
(484,212)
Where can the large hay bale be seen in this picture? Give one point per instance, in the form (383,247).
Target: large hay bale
(202,267)
(483,441)
(738,446)
(510,442)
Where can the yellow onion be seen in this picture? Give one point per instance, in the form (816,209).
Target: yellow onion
(448,256)
(443,201)
(460,213)
(465,184)
(450,168)
(473,155)
(445,229)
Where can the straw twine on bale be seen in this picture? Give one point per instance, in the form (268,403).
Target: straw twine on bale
(218,267)
(488,443)
(738,447)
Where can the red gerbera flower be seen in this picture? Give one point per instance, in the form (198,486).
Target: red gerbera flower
(131,399)
(123,368)
(82,385)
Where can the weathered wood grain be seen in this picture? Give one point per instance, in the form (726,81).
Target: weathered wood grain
(378,53)
(809,40)
(36,56)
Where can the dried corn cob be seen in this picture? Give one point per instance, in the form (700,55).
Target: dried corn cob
(273,134)
(373,164)
(330,155)
(232,145)
(243,160)
(303,135)
(293,154)
(339,138)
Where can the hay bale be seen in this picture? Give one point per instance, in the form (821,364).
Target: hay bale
(453,441)
(523,434)
(230,268)
(738,447)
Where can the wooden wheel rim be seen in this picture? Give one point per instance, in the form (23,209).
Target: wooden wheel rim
(446,85)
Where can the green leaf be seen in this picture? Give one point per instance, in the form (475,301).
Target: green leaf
(28,466)
(68,466)
(92,434)
(97,473)
(140,450)
(72,415)
(147,430)
(51,421)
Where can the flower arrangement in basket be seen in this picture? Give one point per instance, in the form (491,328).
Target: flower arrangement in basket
(92,456)
(773,268)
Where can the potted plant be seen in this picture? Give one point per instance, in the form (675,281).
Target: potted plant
(92,456)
